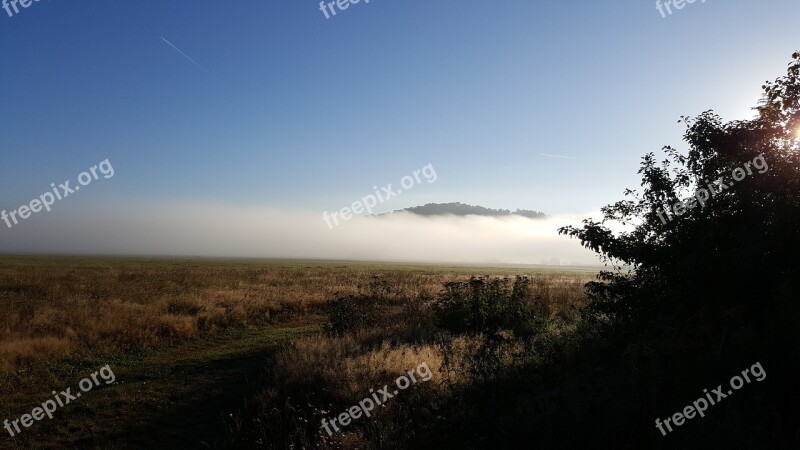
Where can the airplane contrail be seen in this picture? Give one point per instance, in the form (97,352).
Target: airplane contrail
(185,55)
(556,156)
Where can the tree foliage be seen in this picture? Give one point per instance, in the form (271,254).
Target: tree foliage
(739,248)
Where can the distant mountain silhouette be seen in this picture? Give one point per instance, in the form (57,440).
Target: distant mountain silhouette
(462,209)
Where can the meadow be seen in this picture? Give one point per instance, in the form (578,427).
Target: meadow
(261,350)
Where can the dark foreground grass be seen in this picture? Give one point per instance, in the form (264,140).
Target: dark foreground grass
(171,398)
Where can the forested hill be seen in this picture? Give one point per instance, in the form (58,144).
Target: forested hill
(462,209)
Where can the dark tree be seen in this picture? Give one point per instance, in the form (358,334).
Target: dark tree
(739,246)
(697,294)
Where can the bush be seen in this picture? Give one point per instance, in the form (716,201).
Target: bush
(352,313)
(489,306)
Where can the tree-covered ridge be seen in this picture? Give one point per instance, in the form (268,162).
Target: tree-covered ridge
(463,209)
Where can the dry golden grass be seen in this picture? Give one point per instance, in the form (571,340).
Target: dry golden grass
(71,310)
(84,307)
(345,368)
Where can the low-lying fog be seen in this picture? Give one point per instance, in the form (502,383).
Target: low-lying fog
(239,231)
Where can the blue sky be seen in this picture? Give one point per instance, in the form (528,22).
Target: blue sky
(291,110)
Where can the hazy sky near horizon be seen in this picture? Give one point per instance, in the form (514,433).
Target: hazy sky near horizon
(268,107)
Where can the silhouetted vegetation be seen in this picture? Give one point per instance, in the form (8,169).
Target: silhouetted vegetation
(490,306)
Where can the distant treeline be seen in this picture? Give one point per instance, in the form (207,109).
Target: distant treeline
(462,209)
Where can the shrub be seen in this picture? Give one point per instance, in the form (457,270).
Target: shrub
(352,313)
(489,306)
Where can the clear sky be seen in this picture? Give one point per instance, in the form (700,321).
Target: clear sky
(269,104)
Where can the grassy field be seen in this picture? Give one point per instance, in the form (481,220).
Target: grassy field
(215,353)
